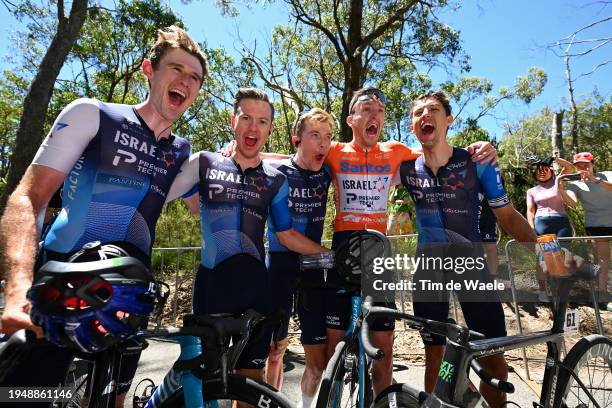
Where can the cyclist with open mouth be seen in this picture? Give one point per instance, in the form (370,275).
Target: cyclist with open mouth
(116,163)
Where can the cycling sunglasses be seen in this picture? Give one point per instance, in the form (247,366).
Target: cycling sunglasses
(368,95)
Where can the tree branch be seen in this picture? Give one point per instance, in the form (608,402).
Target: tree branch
(301,15)
(380,30)
(594,69)
(273,85)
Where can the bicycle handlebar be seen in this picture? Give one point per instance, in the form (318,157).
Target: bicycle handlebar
(201,325)
(501,385)
(452,331)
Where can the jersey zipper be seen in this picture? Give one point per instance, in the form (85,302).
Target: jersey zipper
(367,187)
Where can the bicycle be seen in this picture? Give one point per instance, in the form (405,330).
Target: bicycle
(347,379)
(562,384)
(204,370)
(203,375)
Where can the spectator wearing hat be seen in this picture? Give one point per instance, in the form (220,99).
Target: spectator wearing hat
(545,211)
(594,191)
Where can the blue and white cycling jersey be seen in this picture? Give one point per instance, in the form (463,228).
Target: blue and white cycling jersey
(234,204)
(307,201)
(448,203)
(117,175)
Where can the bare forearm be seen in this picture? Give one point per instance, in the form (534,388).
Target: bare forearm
(18,239)
(605,184)
(297,242)
(516,225)
(567,199)
(531,218)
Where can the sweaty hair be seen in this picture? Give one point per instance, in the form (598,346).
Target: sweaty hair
(175,37)
(439,96)
(315,114)
(252,93)
(368,90)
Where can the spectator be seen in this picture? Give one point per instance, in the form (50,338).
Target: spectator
(545,211)
(400,219)
(594,191)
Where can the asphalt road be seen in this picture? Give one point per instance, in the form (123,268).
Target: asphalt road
(160,355)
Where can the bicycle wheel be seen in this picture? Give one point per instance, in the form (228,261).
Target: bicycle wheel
(590,360)
(340,383)
(76,383)
(239,388)
(400,396)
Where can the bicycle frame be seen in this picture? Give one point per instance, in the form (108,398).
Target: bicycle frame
(452,387)
(351,332)
(191,347)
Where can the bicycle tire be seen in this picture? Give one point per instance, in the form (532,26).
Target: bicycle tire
(239,388)
(400,396)
(591,360)
(339,387)
(76,382)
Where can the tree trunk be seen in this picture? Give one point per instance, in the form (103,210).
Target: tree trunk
(353,66)
(31,126)
(573,109)
(557,135)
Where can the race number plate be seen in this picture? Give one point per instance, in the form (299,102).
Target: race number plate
(572,319)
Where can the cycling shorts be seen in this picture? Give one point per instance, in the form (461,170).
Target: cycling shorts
(338,302)
(283,268)
(486,317)
(238,283)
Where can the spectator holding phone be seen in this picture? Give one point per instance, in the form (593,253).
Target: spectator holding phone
(594,191)
(545,211)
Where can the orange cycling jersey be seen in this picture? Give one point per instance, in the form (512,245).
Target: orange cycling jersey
(362,179)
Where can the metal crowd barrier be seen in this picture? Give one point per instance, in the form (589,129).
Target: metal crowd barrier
(174,260)
(183,262)
(585,250)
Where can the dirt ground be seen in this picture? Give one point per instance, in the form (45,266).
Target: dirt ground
(534,316)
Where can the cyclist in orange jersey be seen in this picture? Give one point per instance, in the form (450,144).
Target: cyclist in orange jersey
(362,172)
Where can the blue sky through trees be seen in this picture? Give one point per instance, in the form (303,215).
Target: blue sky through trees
(503,38)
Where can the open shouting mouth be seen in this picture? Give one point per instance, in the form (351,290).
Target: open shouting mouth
(177,97)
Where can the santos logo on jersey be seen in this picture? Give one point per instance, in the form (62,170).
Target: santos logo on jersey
(364,168)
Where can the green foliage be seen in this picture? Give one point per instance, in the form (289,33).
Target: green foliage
(177,227)
(112,46)
(467,136)
(467,91)
(12,91)
(530,135)
(595,130)
(326,53)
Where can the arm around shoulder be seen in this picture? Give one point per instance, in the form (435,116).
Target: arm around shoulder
(186,179)
(567,166)
(606,182)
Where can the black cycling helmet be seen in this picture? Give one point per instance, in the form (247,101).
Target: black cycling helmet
(534,160)
(96,299)
(355,256)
